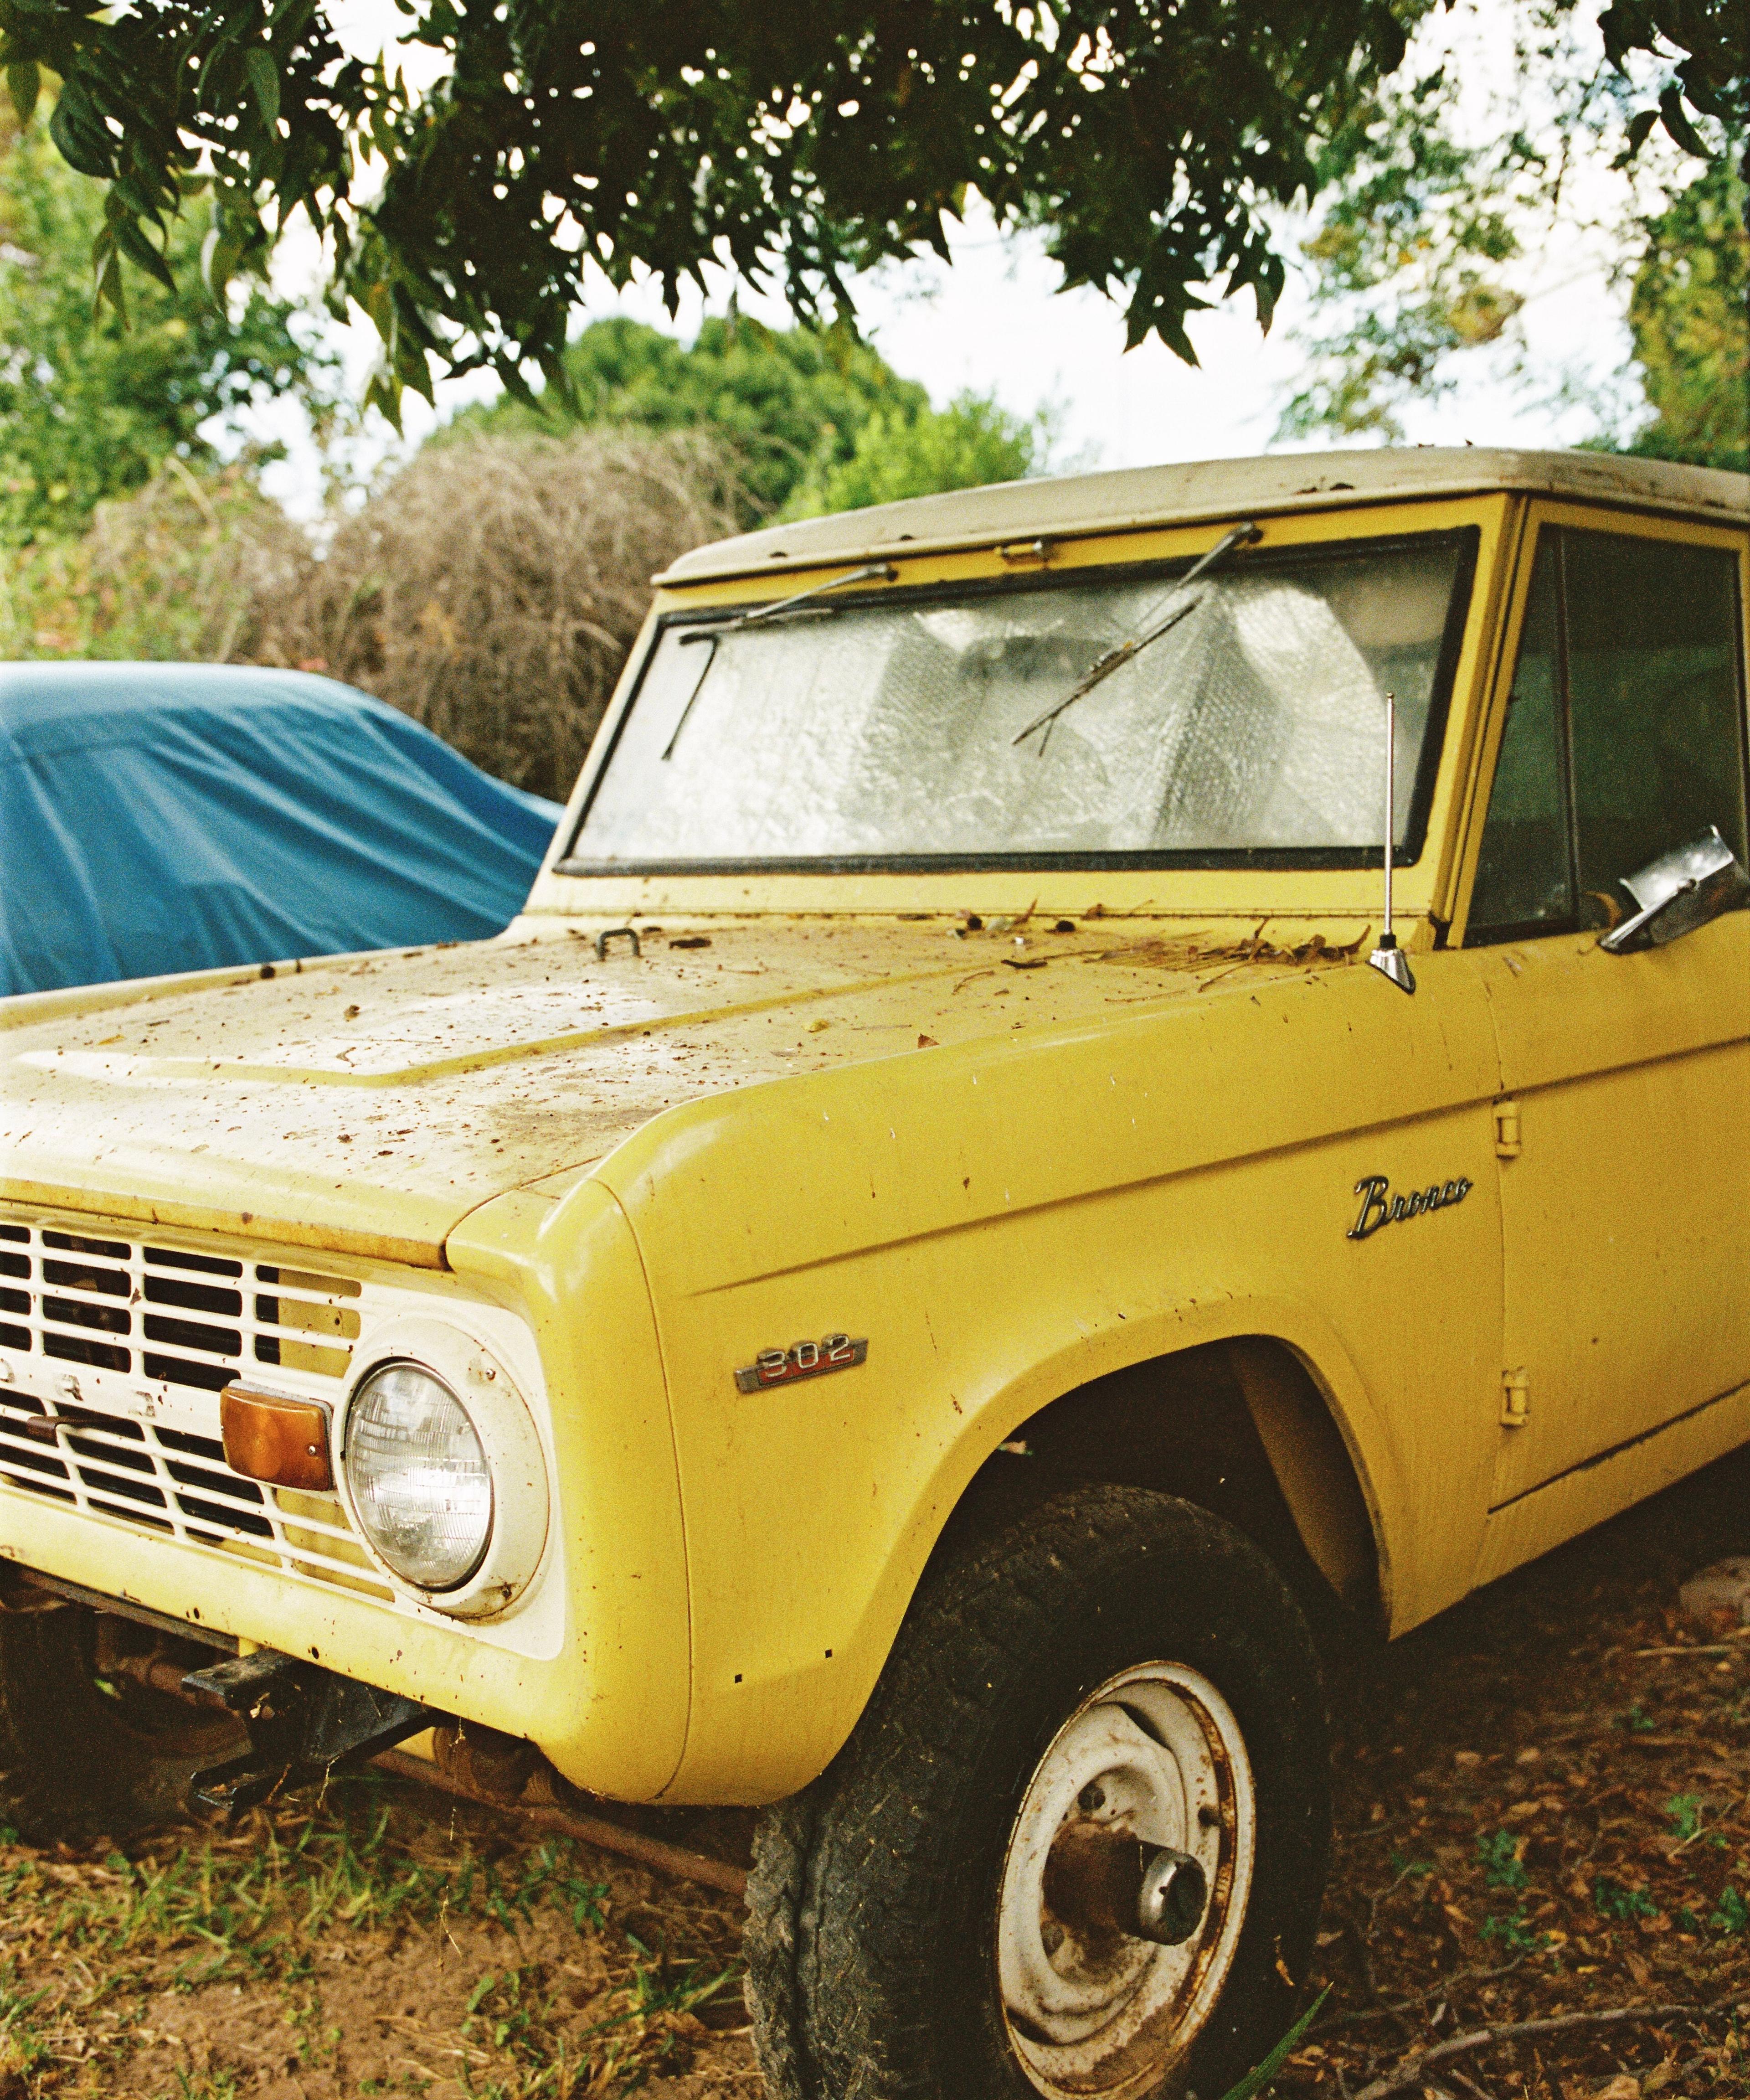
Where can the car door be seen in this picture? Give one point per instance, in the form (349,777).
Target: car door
(1624,1129)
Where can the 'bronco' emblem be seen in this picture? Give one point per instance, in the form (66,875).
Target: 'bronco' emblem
(1379,1209)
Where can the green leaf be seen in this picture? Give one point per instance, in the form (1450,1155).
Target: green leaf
(24,83)
(79,133)
(132,243)
(1677,124)
(220,253)
(1640,125)
(264,79)
(109,287)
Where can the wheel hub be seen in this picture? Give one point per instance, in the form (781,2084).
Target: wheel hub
(1125,1885)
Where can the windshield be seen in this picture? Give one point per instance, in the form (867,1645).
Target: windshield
(882,728)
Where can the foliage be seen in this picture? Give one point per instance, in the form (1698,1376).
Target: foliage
(1685,1812)
(1260,2075)
(188,569)
(1516,1935)
(1409,260)
(1502,1860)
(1439,227)
(182,1962)
(787,402)
(1690,313)
(1610,1899)
(88,409)
(491,590)
(1149,141)
(970,443)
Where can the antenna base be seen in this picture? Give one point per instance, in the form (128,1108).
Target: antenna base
(1391,963)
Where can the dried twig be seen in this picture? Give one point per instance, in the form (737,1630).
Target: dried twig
(1468,2085)
(1443,1988)
(1412,2071)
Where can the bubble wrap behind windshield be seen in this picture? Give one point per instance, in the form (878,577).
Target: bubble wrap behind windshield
(1255,721)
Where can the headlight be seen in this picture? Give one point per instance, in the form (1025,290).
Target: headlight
(419,1476)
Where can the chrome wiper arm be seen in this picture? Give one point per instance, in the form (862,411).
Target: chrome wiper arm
(1241,535)
(868,573)
(714,634)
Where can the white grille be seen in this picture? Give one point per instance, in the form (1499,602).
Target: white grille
(162,1317)
(112,1356)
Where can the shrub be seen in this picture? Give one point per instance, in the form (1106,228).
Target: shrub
(187,570)
(492,588)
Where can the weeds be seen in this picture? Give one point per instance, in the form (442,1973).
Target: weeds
(299,1923)
(490,588)
(1685,1811)
(1515,1934)
(1502,1860)
(1610,1899)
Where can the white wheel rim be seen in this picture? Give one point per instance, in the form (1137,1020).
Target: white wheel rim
(1158,1755)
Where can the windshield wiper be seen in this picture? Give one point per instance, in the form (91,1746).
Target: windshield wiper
(1241,535)
(868,573)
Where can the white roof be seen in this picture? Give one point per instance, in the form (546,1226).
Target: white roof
(1076,504)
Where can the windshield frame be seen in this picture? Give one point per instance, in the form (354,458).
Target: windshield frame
(1465,539)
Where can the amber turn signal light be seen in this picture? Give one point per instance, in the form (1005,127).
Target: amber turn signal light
(270,1437)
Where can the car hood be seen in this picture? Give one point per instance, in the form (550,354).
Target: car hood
(368,1104)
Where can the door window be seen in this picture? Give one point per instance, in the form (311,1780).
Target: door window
(1624,732)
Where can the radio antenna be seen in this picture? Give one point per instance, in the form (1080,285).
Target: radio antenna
(1388,958)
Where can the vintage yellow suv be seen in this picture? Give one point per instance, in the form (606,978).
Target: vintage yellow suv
(927,1257)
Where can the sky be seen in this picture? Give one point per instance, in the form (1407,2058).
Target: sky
(994,322)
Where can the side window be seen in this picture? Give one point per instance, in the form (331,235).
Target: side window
(1653,699)
(1624,733)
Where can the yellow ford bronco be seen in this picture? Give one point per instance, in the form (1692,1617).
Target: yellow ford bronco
(927,1257)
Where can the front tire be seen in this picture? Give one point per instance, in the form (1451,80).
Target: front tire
(933,1919)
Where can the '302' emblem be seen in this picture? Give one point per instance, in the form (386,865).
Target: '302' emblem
(801,1359)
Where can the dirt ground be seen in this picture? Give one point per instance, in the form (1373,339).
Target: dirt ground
(1542,1812)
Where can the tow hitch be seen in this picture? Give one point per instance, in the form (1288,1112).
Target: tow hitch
(303,1722)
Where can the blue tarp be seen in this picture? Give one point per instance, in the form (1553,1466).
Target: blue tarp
(160,817)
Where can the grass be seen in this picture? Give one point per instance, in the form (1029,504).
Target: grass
(186,1963)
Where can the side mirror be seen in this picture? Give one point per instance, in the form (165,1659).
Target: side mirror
(1681,890)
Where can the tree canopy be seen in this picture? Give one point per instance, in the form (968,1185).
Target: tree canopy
(1690,312)
(89,409)
(971,442)
(788,402)
(1441,223)
(812,419)
(1150,139)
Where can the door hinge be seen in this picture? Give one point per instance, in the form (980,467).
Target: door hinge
(1507,1144)
(1515,1400)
